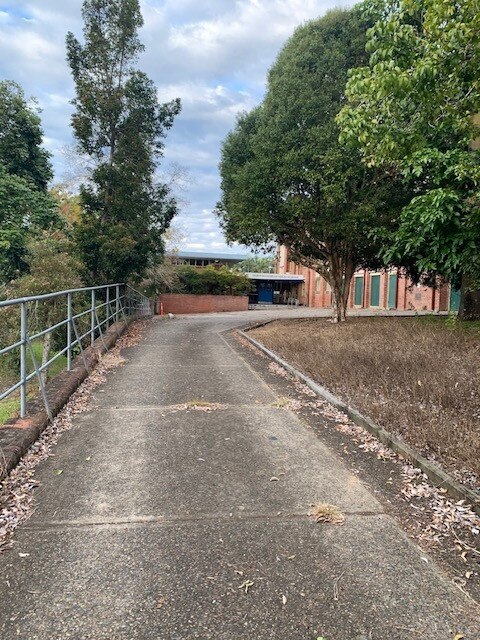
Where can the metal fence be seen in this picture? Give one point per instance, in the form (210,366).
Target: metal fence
(74,318)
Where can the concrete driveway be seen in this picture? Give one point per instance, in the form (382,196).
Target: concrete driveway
(181,513)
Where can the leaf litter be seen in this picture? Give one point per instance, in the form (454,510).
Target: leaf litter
(446,517)
(446,513)
(326,513)
(17,490)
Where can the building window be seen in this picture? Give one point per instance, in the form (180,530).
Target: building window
(318,281)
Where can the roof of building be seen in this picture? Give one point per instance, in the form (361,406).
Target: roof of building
(275,277)
(206,255)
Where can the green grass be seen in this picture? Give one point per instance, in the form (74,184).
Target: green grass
(54,369)
(451,322)
(10,406)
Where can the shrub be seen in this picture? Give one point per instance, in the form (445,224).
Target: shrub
(211,280)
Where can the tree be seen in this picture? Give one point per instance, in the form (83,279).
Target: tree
(256,264)
(25,206)
(23,209)
(21,138)
(68,203)
(52,266)
(413,108)
(120,125)
(285,176)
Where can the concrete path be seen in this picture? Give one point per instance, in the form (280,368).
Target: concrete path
(162,513)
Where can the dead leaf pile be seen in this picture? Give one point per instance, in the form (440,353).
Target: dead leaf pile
(205,407)
(326,513)
(277,370)
(249,345)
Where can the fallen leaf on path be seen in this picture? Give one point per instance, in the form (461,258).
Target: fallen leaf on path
(246,585)
(284,600)
(459,636)
(23,555)
(58,472)
(274,479)
(327,513)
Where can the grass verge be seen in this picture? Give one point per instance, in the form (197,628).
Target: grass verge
(11,406)
(417,377)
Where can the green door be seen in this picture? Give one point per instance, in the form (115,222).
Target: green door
(375,291)
(358,297)
(392,291)
(454,299)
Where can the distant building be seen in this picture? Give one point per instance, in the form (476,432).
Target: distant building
(387,289)
(205,259)
(268,288)
(274,288)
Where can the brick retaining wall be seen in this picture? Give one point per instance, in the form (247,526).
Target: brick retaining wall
(179,303)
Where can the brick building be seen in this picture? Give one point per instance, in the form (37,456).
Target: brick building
(369,289)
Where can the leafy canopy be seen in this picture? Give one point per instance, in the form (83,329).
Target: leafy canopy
(21,138)
(256,264)
(414,107)
(25,206)
(23,211)
(285,176)
(119,123)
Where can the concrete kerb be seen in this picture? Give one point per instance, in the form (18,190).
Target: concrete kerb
(435,474)
(18,434)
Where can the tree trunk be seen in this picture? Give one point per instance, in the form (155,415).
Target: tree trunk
(341,270)
(469,308)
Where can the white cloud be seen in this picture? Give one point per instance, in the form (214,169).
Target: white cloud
(213,55)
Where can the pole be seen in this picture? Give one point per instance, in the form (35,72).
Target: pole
(92,319)
(69,331)
(117,303)
(107,307)
(23,358)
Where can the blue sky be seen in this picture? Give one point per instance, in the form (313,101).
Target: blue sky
(213,54)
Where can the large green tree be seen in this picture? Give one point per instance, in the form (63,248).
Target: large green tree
(285,176)
(25,206)
(414,107)
(120,125)
(21,150)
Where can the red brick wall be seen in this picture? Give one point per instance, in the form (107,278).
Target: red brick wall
(179,303)
(409,297)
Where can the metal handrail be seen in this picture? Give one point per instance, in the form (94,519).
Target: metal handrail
(56,294)
(102,310)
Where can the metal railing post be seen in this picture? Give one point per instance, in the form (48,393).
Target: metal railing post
(107,307)
(92,318)
(69,331)
(23,358)
(117,303)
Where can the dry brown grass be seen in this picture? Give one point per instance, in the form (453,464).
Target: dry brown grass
(418,377)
